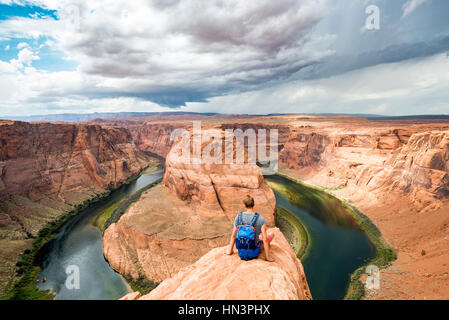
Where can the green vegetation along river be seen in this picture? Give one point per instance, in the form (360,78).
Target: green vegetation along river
(79,243)
(336,246)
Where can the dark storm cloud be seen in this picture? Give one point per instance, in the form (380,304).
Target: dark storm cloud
(243,55)
(394,53)
(195,49)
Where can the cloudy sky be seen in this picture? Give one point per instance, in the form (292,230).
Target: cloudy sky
(228,56)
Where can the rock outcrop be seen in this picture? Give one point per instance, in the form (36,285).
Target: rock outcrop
(365,158)
(176,223)
(414,166)
(213,188)
(422,166)
(154,137)
(395,172)
(217,276)
(152,133)
(65,162)
(160,234)
(48,169)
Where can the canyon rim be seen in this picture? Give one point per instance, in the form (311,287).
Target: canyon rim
(132,131)
(369,165)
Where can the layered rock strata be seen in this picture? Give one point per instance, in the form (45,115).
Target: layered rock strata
(192,212)
(48,169)
(220,277)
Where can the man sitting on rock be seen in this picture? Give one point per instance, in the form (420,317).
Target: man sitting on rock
(250,234)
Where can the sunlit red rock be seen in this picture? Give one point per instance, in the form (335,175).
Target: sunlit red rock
(217,276)
(395,172)
(192,212)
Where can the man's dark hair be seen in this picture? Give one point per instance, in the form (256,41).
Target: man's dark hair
(248,202)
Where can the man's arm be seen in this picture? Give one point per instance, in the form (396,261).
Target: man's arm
(266,244)
(230,249)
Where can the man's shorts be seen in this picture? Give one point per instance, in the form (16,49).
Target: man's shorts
(269,239)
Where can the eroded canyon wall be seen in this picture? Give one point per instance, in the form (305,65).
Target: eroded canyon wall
(58,160)
(212,187)
(48,169)
(367,159)
(154,137)
(176,223)
(396,173)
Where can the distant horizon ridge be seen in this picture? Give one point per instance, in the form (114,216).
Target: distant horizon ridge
(82,117)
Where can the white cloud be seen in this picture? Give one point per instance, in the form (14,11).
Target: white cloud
(411,6)
(6,67)
(22,45)
(413,87)
(7,47)
(24,59)
(172,51)
(180,50)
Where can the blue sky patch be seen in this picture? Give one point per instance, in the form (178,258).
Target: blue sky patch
(49,59)
(295,56)
(11,11)
(53,61)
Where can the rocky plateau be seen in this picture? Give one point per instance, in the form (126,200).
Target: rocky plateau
(395,172)
(47,170)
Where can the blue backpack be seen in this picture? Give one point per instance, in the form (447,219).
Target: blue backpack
(245,240)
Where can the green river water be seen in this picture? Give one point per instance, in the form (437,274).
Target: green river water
(337,247)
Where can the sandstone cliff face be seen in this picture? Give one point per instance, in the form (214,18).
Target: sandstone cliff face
(338,152)
(176,223)
(160,234)
(220,277)
(414,166)
(153,137)
(58,160)
(152,133)
(395,172)
(47,169)
(218,187)
(368,160)
(424,161)
(365,160)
